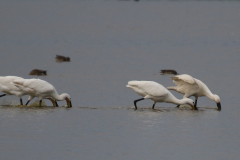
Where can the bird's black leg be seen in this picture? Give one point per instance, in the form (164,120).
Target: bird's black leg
(40,103)
(135,102)
(195,104)
(2,95)
(56,103)
(178,106)
(153,105)
(21,101)
(27,102)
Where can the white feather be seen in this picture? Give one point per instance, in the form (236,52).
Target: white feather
(190,86)
(156,92)
(7,86)
(41,89)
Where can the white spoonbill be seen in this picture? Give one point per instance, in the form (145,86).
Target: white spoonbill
(41,89)
(190,86)
(156,92)
(8,88)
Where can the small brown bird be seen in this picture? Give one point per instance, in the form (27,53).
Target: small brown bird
(38,72)
(62,59)
(168,71)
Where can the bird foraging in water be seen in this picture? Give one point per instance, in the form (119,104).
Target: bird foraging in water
(41,89)
(38,72)
(190,86)
(7,87)
(157,93)
(168,71)
(62,58)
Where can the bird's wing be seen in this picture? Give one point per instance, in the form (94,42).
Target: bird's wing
(185,84)
(6,84)
(24,85)
(34,86)
(184,78)
(150,87)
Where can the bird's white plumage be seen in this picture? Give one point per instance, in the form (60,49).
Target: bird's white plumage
(144,88)
(156,92)
(7,87)
(41,89)
(186,85)
(184,78)
(190,86)
(36,87)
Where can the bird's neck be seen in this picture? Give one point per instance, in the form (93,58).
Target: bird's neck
(179,101)
(58,97)
(207,91)
(210,96)
(173,99)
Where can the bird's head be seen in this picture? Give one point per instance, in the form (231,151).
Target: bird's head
(68,99)
(190,102)
(217,100)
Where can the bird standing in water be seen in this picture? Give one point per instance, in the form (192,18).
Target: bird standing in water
(41,89)
(190,86)
(156,92)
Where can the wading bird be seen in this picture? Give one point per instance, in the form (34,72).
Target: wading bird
(156,92)
(190,86)
(41,89)
(7,87)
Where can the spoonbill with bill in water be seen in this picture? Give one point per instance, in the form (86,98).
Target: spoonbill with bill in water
(157,93)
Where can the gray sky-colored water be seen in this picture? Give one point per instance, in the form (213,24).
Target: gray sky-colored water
(110,43)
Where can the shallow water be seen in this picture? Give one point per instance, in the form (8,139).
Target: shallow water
(110,43)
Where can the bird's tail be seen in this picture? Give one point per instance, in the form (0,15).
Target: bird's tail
(131,84)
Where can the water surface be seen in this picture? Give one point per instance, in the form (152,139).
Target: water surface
(110,43)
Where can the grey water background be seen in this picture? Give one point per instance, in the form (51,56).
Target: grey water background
(110,43)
